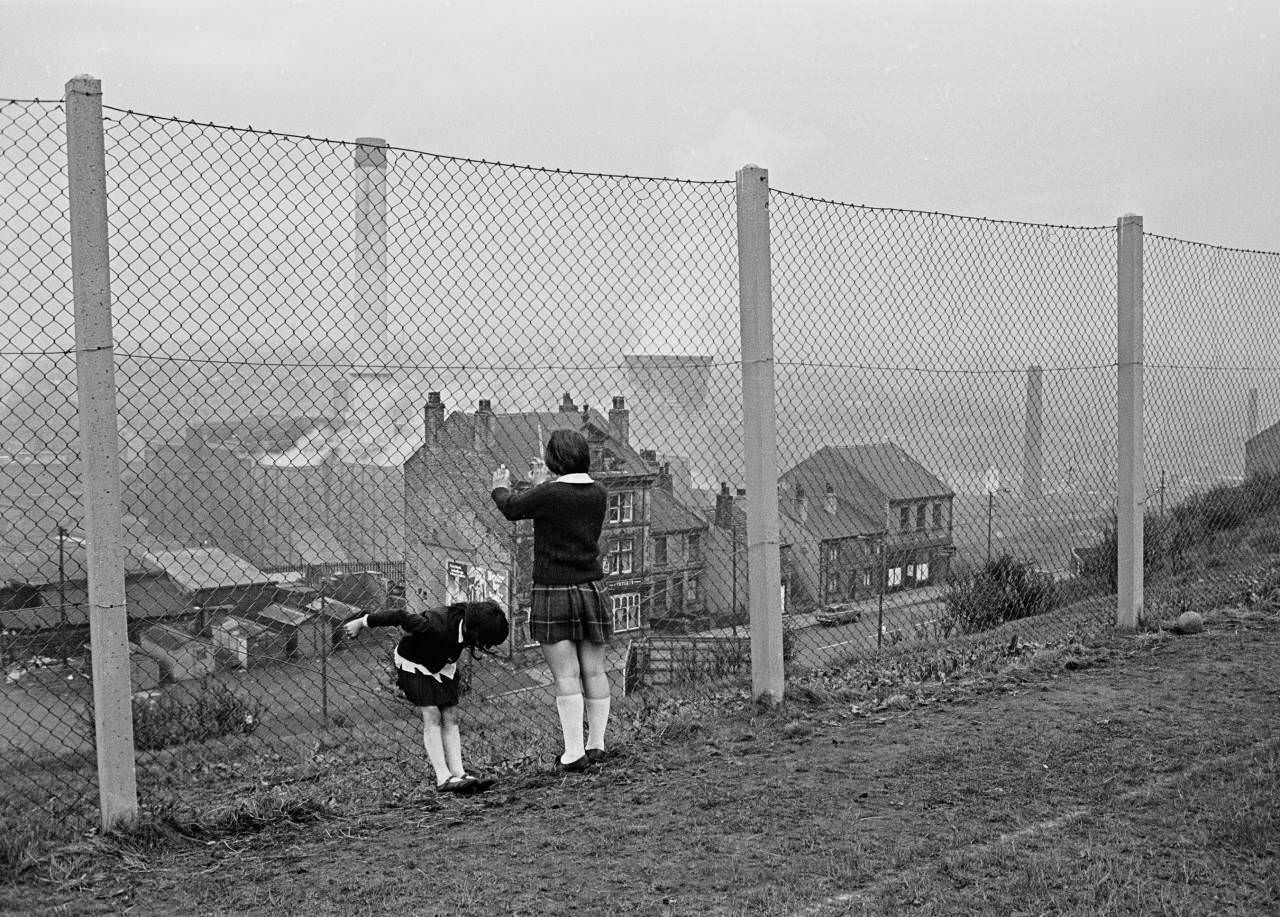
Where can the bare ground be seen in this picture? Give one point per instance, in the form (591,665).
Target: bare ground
(1136,775)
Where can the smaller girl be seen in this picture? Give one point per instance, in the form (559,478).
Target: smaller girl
(426,660)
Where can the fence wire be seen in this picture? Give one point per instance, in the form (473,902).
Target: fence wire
(1212,444)
(324,348)
(946,391)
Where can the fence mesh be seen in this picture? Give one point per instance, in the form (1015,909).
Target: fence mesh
(323,349)
(45,697)
(1211,442)
(946,391)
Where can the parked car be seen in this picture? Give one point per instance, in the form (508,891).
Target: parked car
(839,613)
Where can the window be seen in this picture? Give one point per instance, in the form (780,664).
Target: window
(622,506)
(937,515)
(911,571)
(866,578)
(695,548)
(920,511)
(895,576)
(833,552)
(660,551)
(691,590)
(922,573)
(904,519)
(626,611)
(619,558)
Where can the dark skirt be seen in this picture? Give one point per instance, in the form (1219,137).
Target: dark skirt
(578,612)
(424,691)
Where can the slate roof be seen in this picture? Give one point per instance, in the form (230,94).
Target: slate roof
(667,514)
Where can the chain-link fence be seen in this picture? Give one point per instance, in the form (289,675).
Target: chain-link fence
(1211,435)
(946,391)
(323,349)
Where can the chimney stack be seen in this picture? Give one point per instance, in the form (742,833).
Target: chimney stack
(649,455)
(802,504)
(566,404)
(664,478)
(483,430)
(433,420)
(724,508)
(620,419)
(830,501)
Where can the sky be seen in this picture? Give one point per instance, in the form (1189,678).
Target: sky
(1056,112)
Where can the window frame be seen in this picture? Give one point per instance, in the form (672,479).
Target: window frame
(621,507)
(629,604)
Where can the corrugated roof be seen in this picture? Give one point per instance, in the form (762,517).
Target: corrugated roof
(32,556)
(196,569)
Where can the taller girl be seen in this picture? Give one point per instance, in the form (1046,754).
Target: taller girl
(570,615)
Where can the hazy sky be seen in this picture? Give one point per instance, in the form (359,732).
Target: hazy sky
(1064,112)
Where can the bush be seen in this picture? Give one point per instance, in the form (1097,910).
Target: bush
(190,714)
(1004,590)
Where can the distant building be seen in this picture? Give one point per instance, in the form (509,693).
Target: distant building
(855,500)
(47,579)
(1262,452)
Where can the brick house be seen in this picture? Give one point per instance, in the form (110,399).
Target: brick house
(873,495)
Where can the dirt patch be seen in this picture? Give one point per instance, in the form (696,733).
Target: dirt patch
(1137,775)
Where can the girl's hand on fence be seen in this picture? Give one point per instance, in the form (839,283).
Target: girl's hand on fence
(351,628)
(501,478)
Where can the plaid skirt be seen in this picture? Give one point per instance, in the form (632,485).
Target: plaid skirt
(578,612)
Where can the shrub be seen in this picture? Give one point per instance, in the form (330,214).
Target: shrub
(1005,589)
(189,714)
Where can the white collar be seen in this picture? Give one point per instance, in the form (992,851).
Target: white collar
(461,639)
(580,477)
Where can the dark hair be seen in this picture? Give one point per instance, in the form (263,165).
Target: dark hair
(567,453)
(484,624)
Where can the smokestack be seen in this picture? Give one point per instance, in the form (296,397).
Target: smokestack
(483,430)
(432,420)
(1033,439)
(620,420)
(369,292)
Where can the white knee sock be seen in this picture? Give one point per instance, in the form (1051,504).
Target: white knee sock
(453,750)
(597,721)
(433,741)
(569,706)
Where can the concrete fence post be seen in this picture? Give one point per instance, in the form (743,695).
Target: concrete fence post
(764,568)
(1131,480)
(100,452)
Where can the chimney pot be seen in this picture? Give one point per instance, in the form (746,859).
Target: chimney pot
(566,404)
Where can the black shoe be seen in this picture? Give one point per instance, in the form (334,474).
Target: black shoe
(483,783)
(577,765)
(597,755)
(460,785)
